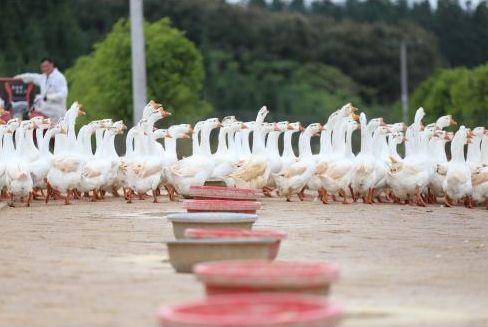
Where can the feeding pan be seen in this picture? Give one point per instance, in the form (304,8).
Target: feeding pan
(222,192)
(239,310)
(221,206)
(201,220)
(240,233)
(184,254)
(261,276)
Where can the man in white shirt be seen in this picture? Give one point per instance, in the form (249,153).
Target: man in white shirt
(51,102)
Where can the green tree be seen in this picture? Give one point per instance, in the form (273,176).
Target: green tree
(460,92)
(102,80)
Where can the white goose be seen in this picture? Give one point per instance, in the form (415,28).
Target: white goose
(65,172)
(364,173)
(335,173)
(294,178)
(196,169)
(17,174)
(254,173)
(457,184)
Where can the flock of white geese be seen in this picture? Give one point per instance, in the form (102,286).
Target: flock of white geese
(73,169)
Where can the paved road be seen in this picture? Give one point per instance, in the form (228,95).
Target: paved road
(105,264)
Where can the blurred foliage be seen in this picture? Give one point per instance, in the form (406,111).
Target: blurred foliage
(290,89)
(102,80)
(461,92)
(275,52)
(367,52)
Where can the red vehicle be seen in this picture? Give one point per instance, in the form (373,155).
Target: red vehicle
(18,97)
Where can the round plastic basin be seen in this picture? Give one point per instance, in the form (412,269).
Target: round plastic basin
(184,254)
(240,233)
(221,205)
(265,276)
(204,220)
(239,310)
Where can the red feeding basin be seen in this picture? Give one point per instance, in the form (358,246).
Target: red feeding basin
(240,233)
(221,205)
(258,276)
(223,192)
(239,310)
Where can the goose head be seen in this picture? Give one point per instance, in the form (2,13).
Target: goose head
(161,133)
(267,128)
(296,127)
(352,124)
(237,126)
(398,127)
(374,123)
(398,137)
(262,113)
(212,123)
(478,132)
(119,127)
(445,121)
(347,110)
(313,129)
(228,120)
(180,131)
(419,115)
(281,126)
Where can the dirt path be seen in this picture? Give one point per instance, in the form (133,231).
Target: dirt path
(104,264)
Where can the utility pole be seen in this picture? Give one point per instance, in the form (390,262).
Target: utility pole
(139,86)
(404,79)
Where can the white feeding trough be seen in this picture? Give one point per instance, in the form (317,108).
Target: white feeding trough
(184,254)
(209,220)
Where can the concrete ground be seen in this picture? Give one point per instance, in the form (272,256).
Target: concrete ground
(105,264)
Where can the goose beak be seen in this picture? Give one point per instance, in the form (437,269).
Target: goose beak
(453,122)
(244,126)
(289,127)
(2,122)
(355,117)
(165,113)
(301,129)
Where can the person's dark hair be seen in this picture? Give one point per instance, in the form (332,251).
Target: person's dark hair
(48,60)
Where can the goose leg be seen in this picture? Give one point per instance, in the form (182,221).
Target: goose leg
(94,196)
(115,192)
(447,201)
(66,199)
(12,200)
(155,196)
(29,199)
(48,192)
(353,196)
(323,195)
(468,202)
(344,195)
(301,194)
(420,200)
(129,196)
